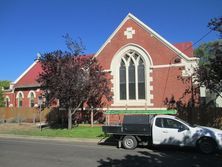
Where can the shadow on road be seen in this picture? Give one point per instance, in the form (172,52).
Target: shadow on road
(161,157)
(110,141)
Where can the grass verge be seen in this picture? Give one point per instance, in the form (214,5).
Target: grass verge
(76,132)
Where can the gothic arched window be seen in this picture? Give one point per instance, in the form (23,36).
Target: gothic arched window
(132,77)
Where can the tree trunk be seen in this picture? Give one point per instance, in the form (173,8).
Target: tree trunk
(70,113)
(69,118)
(92,118)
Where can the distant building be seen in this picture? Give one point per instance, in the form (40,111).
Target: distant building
(144,68)
(210,98)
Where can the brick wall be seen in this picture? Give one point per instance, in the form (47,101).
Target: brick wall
(165,82)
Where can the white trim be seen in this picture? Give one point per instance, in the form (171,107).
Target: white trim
(129,103)
(111,36)
(29,94)
(128,109)
(134,47)
(106,70)
(168,65)
(159,66)
(25,72)
(7,97)
(155,34)
(17,95)
(115,64)
(129,32)
(120,108)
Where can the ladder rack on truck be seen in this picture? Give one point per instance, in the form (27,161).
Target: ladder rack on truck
(136,124)
(137,112)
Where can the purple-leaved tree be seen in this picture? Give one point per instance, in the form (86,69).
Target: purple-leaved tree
(74,80)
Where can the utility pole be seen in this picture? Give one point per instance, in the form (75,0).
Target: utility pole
(192,98)
(40,110)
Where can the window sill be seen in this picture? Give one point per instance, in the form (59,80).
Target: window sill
(132,103)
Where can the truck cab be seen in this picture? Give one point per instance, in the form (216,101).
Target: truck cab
(170,130)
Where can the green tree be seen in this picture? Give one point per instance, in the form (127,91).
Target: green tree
(3,84)
(209,72)
(215,24)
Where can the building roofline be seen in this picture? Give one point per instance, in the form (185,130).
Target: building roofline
(147,28)
(25,72)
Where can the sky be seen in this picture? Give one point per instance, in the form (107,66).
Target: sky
(28,27)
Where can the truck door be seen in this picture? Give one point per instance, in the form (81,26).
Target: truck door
(158,132)
(170,132)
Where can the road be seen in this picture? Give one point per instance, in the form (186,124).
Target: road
(34,153)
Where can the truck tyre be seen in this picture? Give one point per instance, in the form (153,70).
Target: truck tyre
(206,145)
(129,142)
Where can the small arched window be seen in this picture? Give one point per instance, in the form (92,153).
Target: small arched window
(32,99)
(20,99)
(7,101)
(31,96)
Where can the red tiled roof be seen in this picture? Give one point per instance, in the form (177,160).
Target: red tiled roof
(185,47)
(29,79)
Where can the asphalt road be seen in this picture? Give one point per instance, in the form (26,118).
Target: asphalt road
(32,153)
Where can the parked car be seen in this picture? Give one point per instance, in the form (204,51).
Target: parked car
(164,130)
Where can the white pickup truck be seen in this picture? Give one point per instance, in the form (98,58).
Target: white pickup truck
(164,130)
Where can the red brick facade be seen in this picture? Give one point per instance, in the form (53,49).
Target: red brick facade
(164,71)
(25,84)
(13,102)
(164,64)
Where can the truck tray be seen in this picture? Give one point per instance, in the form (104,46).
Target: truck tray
(112,129)
(132,125)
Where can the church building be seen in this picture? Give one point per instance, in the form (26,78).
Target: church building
(145,70)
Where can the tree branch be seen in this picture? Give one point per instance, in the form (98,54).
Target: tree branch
(76,108)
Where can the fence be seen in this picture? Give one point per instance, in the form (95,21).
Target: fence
(203,116)
(12,115)
(51,115)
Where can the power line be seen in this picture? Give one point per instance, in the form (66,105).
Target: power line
(198,40)
(168,72)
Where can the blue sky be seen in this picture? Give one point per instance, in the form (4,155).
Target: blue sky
(31,26)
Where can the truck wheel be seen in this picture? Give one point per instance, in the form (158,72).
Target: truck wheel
(206,146)
(129,142)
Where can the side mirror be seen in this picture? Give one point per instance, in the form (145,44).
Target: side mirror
(182,128)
